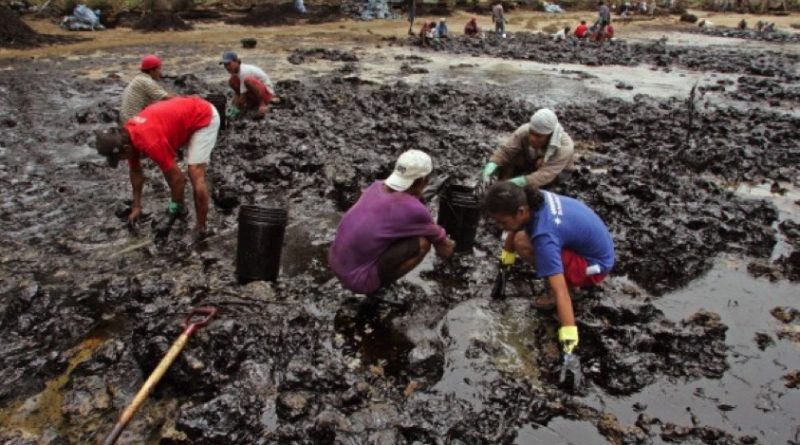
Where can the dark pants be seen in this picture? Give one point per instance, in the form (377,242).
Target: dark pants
(394,256)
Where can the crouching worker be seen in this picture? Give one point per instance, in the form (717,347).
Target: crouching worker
(252,88)
(158,132)
(561,237)
(536,154)
(389,230)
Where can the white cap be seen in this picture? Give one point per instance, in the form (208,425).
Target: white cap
(544,121)
(410,166)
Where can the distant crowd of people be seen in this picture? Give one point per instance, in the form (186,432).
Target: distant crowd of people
(433,33)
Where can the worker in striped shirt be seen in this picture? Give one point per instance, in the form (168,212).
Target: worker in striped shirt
(143,90)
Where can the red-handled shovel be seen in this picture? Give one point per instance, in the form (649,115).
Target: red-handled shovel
(190,328)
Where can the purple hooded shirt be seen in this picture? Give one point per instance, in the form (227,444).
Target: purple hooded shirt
(377,220)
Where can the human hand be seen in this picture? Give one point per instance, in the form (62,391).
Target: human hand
(489,170)
(134,215)
(233,112)
(507,257)
(519,181)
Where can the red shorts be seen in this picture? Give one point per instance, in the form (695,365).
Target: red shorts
(575,270)
(257,92)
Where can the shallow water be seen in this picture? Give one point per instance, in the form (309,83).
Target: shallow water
(751,397)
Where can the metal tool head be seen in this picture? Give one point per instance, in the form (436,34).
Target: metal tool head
(192,323)
(572,363)
(499,288)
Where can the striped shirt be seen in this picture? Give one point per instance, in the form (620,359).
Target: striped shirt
(141,92)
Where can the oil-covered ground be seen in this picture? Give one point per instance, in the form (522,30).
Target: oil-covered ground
(693,340)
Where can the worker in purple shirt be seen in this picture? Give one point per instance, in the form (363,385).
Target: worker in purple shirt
(388,231)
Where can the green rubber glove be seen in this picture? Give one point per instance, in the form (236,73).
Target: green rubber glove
(519,181)
(490,169)
(507,258)
(568,337)
(175,208)
(233,112)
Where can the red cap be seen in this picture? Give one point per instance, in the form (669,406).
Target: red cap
(150,62)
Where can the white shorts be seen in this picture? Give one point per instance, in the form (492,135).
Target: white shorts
(203,140)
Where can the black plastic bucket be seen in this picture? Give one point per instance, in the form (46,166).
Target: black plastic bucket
(459,213)
(260,241)
(219,101)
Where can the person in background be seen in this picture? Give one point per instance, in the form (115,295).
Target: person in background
(412,14)
(388,231)
(609,34)
(472,29)
(433,33)
(603,20)
(441,29)
(252,88)
(742,24)
(499,19)
(143,90)
(580,31)
(426,33)
(561,34)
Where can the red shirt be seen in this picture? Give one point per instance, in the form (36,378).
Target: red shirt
(162,128)
(580,31)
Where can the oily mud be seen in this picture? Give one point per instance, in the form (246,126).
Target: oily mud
(771,91)
(161,21)
(17,34)
(297,361)
(306,55)
(542,48)
(749,34)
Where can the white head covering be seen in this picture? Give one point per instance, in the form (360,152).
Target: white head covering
(410,166)
(545,121)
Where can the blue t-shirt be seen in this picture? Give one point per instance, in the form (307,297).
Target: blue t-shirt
(566,223)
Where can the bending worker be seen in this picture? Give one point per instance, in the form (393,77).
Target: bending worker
(158,132)
(536,154)
(388,231)
(562,238)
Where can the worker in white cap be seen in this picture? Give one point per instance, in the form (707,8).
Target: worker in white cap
(535,154)
(389,231)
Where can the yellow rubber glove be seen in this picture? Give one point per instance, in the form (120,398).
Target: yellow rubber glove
(568,337)
(507,258)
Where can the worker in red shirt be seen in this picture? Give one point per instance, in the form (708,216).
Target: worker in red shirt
(580,31)
(158,132)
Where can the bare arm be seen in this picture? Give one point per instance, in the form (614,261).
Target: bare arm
(137,185)
(558,286)
(176,183)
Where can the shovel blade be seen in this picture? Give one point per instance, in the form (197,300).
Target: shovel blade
(499,288)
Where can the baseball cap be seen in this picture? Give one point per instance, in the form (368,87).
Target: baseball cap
(410,166)
(150,62)
(228,57)
(109,144)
